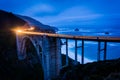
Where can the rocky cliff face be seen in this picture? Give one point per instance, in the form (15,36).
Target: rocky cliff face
(103,70)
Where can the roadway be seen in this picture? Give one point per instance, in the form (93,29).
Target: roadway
(87,38)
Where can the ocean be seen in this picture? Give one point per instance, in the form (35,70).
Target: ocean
(90,47)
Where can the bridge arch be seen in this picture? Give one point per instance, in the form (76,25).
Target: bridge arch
(23,43)
(41,50)
(29,49)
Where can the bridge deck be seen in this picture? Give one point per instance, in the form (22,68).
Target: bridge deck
(89,38)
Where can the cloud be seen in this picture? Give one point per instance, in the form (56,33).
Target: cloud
(56,14)
(80,13)
(39,9)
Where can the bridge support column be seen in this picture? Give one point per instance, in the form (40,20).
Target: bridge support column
(100,49)
(82,60)
(66,52)
(75,52)
(105,50)
(98,55)
(55,57)
(52,57)
(45,58)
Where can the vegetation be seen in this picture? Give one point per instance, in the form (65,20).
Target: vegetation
(103,70)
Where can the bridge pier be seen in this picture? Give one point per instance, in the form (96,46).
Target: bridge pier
(46,63)
(82,52)
(104,49)
(75,52)
(52,51)
(66,52)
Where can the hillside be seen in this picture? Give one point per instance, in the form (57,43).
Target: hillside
(10,67)
(103,70)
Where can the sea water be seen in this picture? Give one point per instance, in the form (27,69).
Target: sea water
(91,47)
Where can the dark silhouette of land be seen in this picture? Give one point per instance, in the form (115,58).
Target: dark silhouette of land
(102,70)
(10,67)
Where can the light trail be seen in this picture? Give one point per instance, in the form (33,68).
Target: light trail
(90,38)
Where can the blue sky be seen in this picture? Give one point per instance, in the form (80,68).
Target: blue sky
(60,11)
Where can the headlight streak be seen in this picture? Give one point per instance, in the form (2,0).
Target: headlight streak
(89,38)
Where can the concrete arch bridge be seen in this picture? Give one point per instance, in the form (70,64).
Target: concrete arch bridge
(45,48)
(39,44)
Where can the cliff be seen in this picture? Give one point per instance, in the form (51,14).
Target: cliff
(103,70)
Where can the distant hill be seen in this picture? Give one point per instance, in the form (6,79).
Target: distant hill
(8,20)
(39,26)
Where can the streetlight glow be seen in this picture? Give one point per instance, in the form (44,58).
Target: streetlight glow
(19,31)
